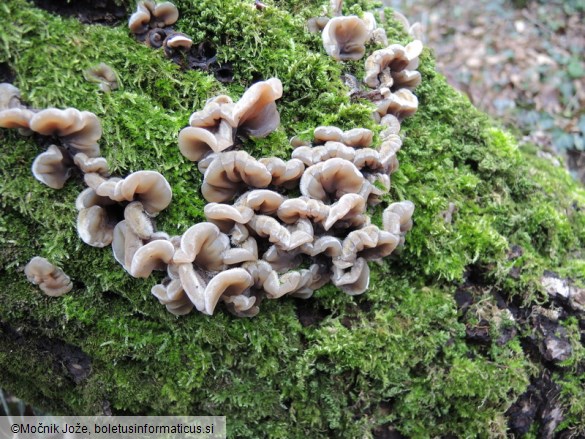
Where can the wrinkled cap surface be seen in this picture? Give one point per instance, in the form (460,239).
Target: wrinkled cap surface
(52,167)
(50,279)
(344,38)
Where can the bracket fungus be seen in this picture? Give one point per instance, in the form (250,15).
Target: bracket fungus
(268,244)
(344,38)
(173,296)
(95,219)
(332,179)
(151,15)
(391,71)
(213,129)
(394,66)
(50,168)
(50,279)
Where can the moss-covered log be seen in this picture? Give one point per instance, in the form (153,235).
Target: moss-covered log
(405,355)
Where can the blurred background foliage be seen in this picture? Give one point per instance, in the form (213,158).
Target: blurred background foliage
(520,61)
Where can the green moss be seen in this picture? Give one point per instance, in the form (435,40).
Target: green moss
(397,354)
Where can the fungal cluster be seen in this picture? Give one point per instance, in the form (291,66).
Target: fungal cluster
(260,240)
(344,37)
(390,72)
(152,23)
(278,244)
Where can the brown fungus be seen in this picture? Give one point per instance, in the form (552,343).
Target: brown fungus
(263,201)
(176,43)
(397,218)
(95,219)
(242,305)
(150,15)
(50,279)
(344,38)
(313,155)
(139,20)
(356,137)
(148,187)
(293,209)
(229,283)
(255,113)
(331,179)
(223,178)
(173,296)
(138,220)
(77,130)
(52,167)
(402,103)
(96,165)
(9,96)
(203,245)
(103,75)
(225,216)
(213,129)
(16,118)
(353,281)
(350,207)
(152,256)
(393,66)
(369,243)
(284,237)
(283,173)
(125,244)
(316,25)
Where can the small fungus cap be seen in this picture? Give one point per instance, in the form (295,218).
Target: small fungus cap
(79,130)
(9,96)
(166,14)
(261,200)
(50,279)
(138,220)
(52,167)
(148,187)
(402,103)
(16,118)
(334,177)
(344,38)
(178,41)
(104,75)
(125,244)
(256,113)
(139,20)
(222,177)
(229,283)
(203,245)
(153,256)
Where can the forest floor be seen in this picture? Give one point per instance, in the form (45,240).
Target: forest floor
(520,61)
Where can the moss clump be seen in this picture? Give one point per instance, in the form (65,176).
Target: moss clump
(399,354)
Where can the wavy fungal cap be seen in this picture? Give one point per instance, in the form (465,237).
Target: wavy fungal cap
(344,38)
(50,279)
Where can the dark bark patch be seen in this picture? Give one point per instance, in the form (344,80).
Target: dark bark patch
(540,403)
(310,313)
(105,12)
(6,73)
